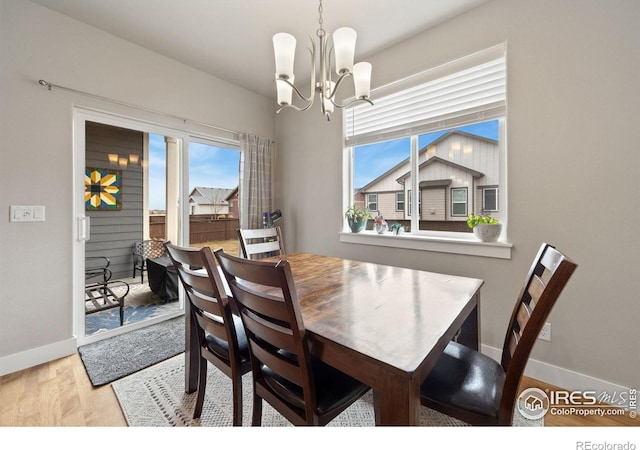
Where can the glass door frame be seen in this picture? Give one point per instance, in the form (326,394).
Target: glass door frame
(80,116)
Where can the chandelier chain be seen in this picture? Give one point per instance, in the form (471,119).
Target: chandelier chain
(321,31)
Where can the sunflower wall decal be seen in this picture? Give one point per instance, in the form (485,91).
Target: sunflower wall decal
(102,189)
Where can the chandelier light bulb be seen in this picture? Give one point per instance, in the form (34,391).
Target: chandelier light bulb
(285,91)
(344,43)
(284,47)
(362,79)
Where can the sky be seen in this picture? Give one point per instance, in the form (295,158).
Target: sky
(211,166)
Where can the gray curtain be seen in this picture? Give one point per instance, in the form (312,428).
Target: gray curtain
(256,179)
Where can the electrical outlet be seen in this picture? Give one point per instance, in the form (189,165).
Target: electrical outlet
(545,333)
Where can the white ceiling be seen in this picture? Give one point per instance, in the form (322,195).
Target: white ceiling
(231,39)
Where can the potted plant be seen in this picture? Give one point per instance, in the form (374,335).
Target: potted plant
(357,218)
(485,228)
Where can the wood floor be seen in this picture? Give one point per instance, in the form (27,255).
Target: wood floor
(59,393)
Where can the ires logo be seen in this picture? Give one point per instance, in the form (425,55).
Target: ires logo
(574,398)
(534,403)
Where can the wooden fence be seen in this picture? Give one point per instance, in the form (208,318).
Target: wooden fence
(202,228)
(206,228)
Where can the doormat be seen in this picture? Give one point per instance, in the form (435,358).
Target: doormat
(116,357)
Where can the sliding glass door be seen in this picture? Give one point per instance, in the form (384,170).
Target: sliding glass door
(127,203)
(213,205)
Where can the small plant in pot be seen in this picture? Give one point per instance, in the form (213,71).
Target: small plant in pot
(485,228)
(357,218)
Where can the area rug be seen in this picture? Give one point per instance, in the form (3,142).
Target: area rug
(140,304)
(110,319)
(155,397)
(119,356)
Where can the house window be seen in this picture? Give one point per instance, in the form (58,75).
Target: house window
(399,201)
(440,146)
(459,202)
(372,202)
(490,199)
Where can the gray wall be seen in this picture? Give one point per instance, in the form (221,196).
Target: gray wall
(37,154)
(573,171)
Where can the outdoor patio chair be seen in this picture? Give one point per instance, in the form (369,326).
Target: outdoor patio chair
(106,295)
(96,269)
(142,250)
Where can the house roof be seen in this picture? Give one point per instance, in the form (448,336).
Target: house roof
(424,149)
(437,159)
(459,133)
(232,193)
(434,183)
(210,196)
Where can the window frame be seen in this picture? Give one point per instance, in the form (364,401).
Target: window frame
(400,201)
(428,240)
(369,201)
(466,201)
(497,199)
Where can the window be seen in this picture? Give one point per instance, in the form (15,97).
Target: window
(372,202)
(459,202)
(490,199)
(447,127)
(399,201)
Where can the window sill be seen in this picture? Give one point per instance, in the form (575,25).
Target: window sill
(456,245)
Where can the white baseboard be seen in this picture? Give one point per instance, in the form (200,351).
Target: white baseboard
(35,356)
(559,376)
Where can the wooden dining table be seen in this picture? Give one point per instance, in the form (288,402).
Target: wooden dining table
(383,325)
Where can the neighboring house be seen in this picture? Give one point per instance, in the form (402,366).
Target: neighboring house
(232,200)
(204,200)
(458,174)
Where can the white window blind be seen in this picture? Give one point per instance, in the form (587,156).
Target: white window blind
(464,91)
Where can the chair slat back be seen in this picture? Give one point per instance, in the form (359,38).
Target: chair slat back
(268,304)
(204,289)
(261,243)
(547,277)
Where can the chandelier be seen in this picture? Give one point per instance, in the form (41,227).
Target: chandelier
(344,43)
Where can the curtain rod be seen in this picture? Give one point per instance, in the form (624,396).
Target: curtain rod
(49,86)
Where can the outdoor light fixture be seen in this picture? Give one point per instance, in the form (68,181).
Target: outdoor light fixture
(344,43)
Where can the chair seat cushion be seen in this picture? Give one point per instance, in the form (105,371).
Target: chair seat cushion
(334,389)
(465,379)
(221,348)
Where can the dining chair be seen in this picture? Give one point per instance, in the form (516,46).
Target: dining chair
(473,387)
(261,242)
(305,390)
(221,336)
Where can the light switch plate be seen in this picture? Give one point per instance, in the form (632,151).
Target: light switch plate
(26,213)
